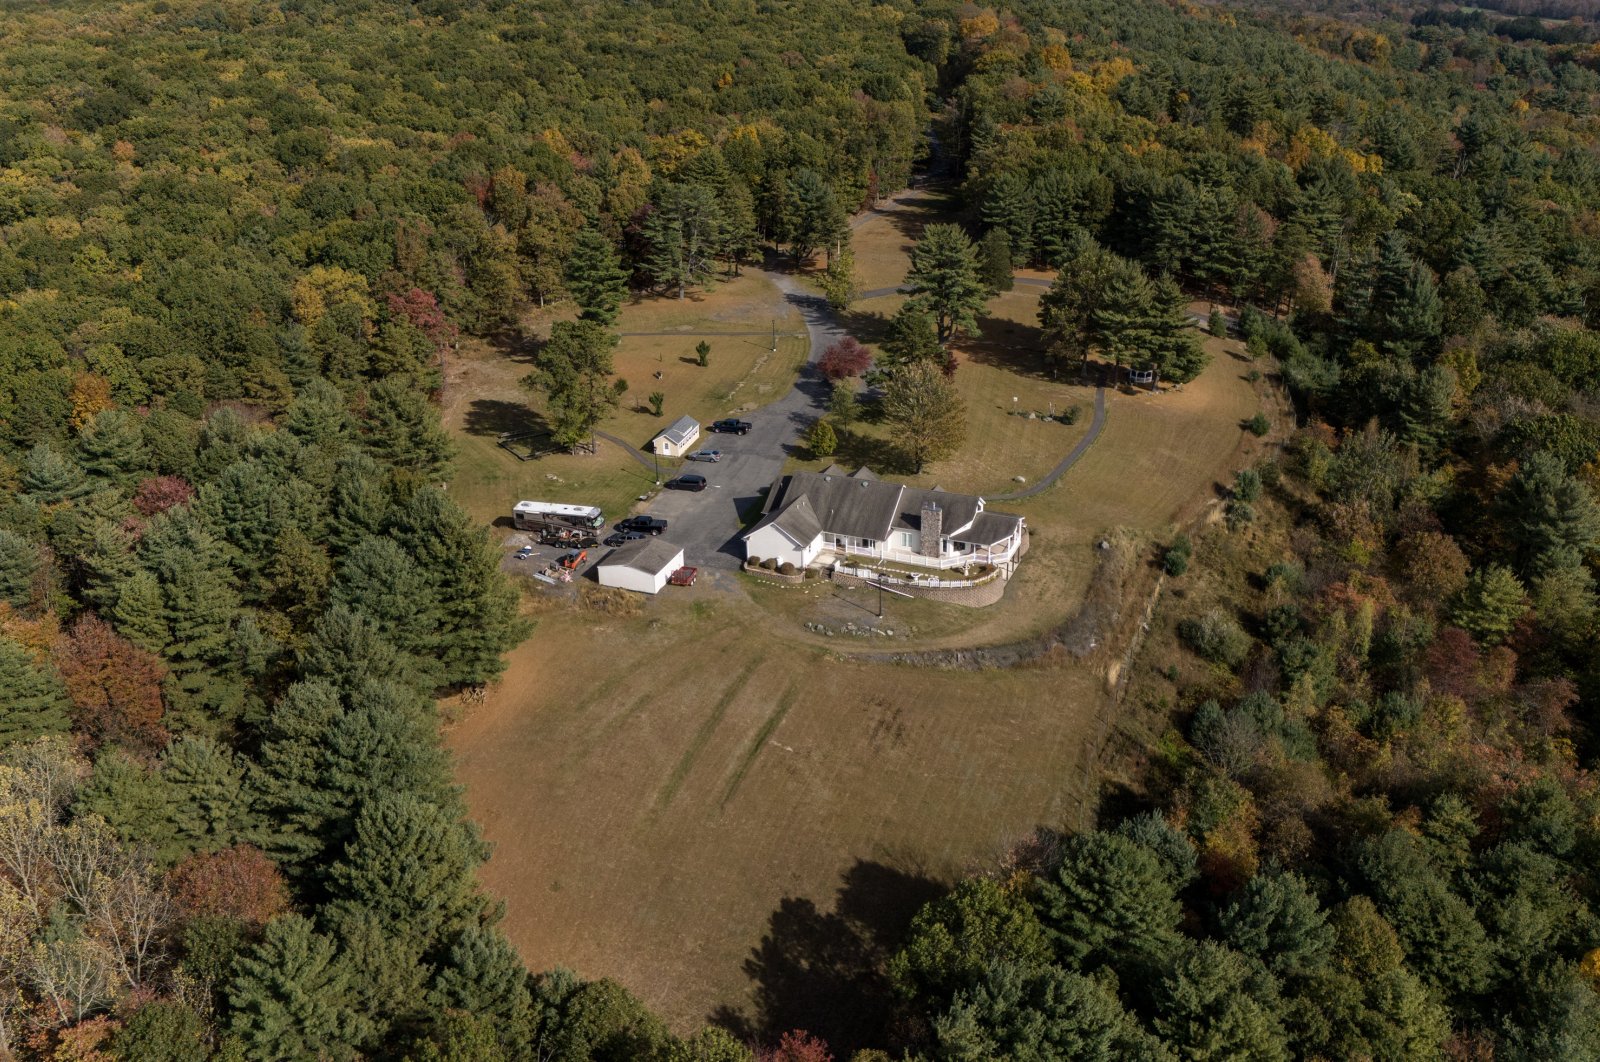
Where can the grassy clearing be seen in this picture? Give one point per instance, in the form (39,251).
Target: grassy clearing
(660,855)
(484,396)
(882,245)
(683,798)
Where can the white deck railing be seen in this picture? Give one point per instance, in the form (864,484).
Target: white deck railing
(894,555)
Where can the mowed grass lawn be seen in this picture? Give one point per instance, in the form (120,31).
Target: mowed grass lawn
(484,396)
(666,794)
(1002,378)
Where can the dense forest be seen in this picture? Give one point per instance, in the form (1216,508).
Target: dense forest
(238,241)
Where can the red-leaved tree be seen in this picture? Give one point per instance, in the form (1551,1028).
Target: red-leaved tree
(847,357)
(421,310)
(239,882)
(797,1046)
(114,686)
(160,493)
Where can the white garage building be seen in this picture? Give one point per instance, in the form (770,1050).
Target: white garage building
(644,565)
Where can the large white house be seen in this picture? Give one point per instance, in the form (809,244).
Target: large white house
(831,514)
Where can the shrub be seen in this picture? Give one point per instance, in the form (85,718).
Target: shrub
(1238,513)
(752,562)
(1271,475)
(770,564)
(1258,425)
(1254,376)
(702,353)
(1175,560)
(1289,575)
(1217,637)
(786,568)
(1069,415)
(1218,324)
(810,573)
(822,440)
(1247,485)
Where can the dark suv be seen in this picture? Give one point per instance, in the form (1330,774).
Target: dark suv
(650,525)
(617,538)
(732,427)
(687,481)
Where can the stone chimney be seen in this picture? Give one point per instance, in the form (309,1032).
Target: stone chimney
(932,528)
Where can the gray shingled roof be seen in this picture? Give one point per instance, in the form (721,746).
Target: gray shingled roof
(679,430)
(959,509)
(859,508)
(990,528)
(649,555)
(797,520)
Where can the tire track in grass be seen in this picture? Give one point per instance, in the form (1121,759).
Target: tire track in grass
(703,735)
(759,742)
(608,729)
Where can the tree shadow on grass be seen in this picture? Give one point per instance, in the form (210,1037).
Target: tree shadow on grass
(1011,345)
(494,416)
(824,971)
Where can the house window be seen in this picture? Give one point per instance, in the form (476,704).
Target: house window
(905,540)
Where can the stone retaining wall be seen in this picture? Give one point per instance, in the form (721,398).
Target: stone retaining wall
(777,577)
(976,596)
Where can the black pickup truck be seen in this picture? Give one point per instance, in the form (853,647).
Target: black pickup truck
(732,427)
(650,525)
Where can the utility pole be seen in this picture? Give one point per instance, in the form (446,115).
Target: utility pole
(774,335)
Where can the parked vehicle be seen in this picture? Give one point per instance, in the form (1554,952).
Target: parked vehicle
(650,525)
(524,553)
(617,538)
(706,455)
(573,539)
(732,426)
(574,560)
(687,482)
(683,576)
(533,516)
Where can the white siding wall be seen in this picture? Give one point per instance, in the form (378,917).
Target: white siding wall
(770,542)
(633,579)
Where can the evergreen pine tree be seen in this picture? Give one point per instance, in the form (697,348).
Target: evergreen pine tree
(684,233)
(140,612)
(291,997)
(105,565)
(481,974)
(197,588)
(380,580)
(1211,1006)
(402,430)
(595,277)
(391,986)
(913,337)
(33,701)
(111,449)
(1027,1011)
(288,776)
(1009,207)
(347,649)
(135,801)
(49,477)
(476,612)
(318,415)
(211,805)
(359,502)
(19,565)
(411,864)
(944,279)
(994,260)
(815,220)
(1110,900)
